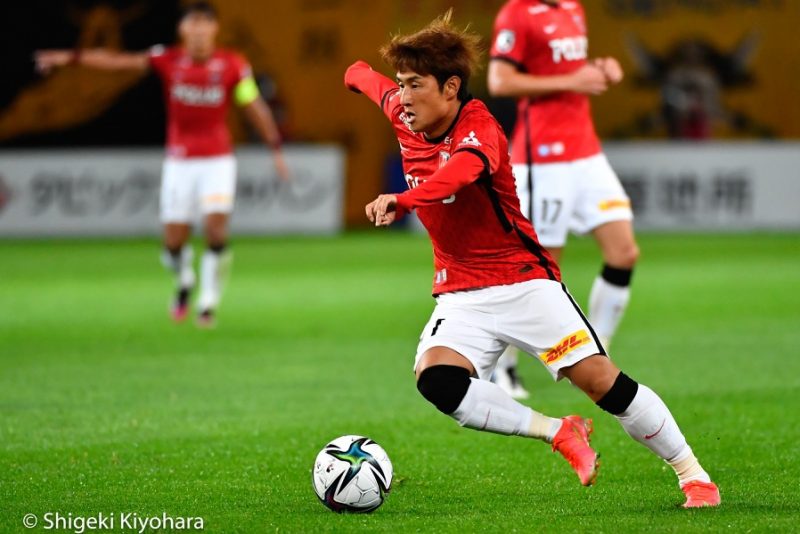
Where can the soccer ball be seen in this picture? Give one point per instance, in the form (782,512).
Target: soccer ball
(352,474)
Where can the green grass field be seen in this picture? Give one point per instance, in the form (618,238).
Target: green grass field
(108,407)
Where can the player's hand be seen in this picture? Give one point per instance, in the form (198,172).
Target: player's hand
(381,211)
(589,79)
(280,166)
(611,68)
(47,60)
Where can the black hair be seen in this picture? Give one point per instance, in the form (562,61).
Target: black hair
(201,8)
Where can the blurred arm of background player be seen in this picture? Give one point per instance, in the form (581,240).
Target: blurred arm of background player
(246,93)
(504,80)
(260,116)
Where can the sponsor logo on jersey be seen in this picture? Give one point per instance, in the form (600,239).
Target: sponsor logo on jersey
(197,95)
(505,41)
(552,149)
(565,346)
(440,277)
(614,204)
(404,119)
(470,140)
(569,48)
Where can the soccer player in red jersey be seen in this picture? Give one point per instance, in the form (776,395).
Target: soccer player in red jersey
(494,284)
(199,175)
(564,182)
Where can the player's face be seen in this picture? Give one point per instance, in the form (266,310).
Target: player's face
(198,32)
(426,105)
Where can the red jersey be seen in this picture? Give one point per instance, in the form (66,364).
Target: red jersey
(463,190)
(544,40)
(198,96)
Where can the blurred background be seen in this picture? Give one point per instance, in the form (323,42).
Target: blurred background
(703,131)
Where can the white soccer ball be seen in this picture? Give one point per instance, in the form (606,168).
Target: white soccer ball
(352,474)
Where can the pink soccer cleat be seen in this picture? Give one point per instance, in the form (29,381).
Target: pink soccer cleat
(180,306)
(572,442)
(701,494)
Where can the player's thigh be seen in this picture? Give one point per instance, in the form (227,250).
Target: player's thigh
(600,196)
(546,322)
(178,186)
(553,202)
(464,331)
(217,185)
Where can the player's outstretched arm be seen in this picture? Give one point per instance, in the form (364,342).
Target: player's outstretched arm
(360,78)
(505,80)
(47,60)
(261,117)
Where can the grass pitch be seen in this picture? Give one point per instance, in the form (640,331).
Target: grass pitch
(107,407)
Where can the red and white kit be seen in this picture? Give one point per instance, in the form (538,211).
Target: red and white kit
(200,170)
(494,283)
(556,154)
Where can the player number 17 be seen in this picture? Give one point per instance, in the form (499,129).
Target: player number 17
(547,206)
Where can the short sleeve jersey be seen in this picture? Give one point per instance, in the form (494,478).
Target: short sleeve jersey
(198,96)
(544,40)
(480,238)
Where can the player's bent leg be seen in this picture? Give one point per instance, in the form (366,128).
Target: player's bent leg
(610,292)
(444,379)
(214,267)
(645,418)
(178,256)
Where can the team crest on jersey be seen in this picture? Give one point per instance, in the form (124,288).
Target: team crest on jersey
(505,41)
(444,156)
(470,140)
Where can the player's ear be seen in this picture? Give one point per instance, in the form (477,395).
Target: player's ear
(451,87)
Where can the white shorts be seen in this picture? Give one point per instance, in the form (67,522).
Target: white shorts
(575,195)
(538,316)
(197,186)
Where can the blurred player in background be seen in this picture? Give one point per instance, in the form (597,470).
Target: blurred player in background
(199,175)
(564,181)
(494,284)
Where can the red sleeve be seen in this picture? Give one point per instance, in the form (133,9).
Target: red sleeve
(360,78)
(241,67)
(159,57)
(510,37)
(463,168)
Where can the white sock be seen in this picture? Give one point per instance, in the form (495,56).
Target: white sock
(213,267)
(487,407)
(508,360)
(649,421)
(180,265)
(607,304)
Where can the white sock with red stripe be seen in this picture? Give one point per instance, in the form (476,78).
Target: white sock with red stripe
(486,406)
(648,420)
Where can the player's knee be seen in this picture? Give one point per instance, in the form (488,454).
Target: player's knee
(623,257)
(620,395)
(444,386)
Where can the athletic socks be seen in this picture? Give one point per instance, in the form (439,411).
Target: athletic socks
(213,267)
(648,420)
(487,407)
(608,300)
(180,262)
